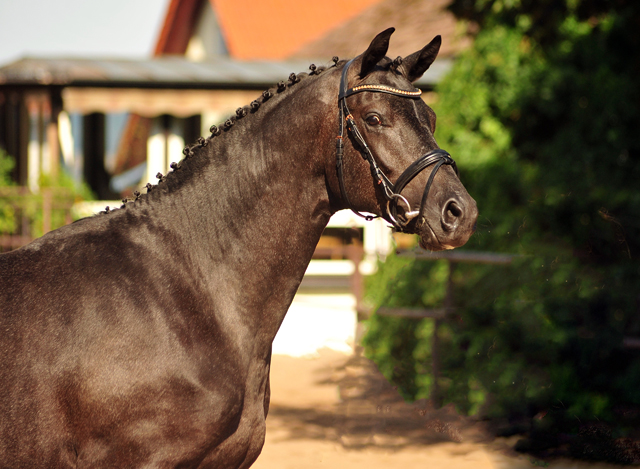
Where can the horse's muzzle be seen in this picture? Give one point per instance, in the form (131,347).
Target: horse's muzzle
(450,226)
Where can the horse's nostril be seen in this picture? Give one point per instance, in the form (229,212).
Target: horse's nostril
(453,209)
(452,213)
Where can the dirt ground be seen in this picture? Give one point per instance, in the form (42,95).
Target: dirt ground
(337,411)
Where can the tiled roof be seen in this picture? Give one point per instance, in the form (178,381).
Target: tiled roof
(274,29)
(416,23)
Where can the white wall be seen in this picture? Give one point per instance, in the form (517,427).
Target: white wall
(329,320)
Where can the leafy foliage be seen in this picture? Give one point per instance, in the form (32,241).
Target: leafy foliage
(544,126)
(6,166)
(21,212)
(6,211)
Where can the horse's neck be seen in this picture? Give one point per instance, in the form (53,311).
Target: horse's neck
(251,209)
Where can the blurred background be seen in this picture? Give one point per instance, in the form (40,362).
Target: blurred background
(532,328)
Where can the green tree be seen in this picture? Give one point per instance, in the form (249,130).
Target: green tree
(543,122)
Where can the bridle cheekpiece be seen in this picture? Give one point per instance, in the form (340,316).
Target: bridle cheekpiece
(392,192)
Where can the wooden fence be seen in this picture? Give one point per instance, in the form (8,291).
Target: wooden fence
(440,314)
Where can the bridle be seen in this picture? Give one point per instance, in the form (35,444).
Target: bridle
(392,192)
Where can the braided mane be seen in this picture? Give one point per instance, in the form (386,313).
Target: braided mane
(196,149)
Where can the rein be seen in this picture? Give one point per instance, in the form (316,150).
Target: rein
(392,192)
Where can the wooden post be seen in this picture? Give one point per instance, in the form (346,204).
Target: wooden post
(436,398)
(47,205)
(34,145)
(355,254)
(53,145)
(54,104)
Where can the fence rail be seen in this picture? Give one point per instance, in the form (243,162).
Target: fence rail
(475,257)
(414,313)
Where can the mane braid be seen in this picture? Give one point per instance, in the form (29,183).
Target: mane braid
(195,149)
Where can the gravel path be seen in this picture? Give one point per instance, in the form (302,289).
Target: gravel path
(337,411)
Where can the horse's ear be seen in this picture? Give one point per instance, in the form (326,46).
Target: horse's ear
(376,51)
(418,62)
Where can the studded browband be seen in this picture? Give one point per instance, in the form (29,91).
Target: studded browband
(382,89)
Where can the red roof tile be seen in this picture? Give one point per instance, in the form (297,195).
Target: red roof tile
(274,29)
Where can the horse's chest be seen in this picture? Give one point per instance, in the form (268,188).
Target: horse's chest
(179,421)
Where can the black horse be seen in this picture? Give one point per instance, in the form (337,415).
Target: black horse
(141,337)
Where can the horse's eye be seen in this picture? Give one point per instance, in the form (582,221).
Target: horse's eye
(373,120)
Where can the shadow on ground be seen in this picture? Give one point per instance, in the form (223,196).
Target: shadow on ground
(371,412)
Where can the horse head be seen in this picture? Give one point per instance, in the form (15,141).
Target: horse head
(388,161)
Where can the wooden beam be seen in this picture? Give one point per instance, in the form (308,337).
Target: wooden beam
(459,256)
(178,26)
(631,342)
(416,313)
